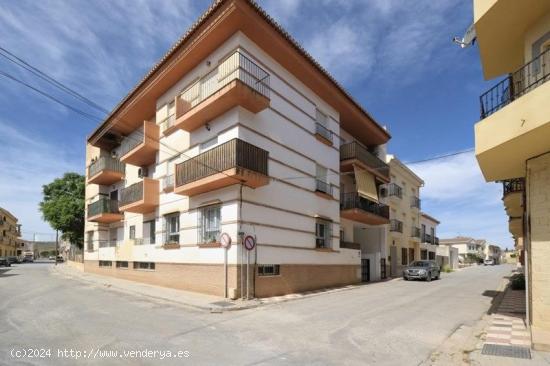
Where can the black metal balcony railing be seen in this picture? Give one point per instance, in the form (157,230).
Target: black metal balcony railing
(518,83)
(396,225)
(353,150)
(105,163)
(415,202)
(353,200)
(415,232)
(323,131)
(393,190)
(513,185)
(131,194)
(427,238)
(232,154)
(322,186)
(103,205)
(436,240)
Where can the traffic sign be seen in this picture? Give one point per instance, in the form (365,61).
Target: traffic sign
(225,240)
(249,242)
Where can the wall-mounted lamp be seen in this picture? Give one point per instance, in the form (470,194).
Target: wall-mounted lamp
(208,63)
(207,126)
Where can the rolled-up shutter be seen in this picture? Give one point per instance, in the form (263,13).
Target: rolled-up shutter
(366,186)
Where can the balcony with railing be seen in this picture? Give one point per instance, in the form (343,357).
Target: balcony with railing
(353,153)
(427,238)
(392,190)
(415,203)
(512,196)
(140,147)
(237,81)
(104,210)
(323,189)
(141,197)
(357,208)
(233,162)
(396,226)
(323,134)
(415,232)
(105,171)
(350,245)
(520,82)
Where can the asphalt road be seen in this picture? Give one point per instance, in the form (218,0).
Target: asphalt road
(391,323)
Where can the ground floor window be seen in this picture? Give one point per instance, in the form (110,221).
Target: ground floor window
(411,255)
(121,264)
(105,263)
(404,260)
(423,254)
(144,265)
(431,256)
(210,224)
(172,234)
(268,270)
(322,234)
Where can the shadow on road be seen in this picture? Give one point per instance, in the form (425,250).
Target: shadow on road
(4,274)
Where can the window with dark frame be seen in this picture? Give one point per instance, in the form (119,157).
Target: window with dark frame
(269,270)
(209,223)
(132,232)
(404,260)
(145,265)
(322,233)
(105,263)
(122,264)
(172,234)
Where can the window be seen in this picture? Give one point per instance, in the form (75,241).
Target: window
(269,270)
(423,254)
(172,234)
(208,144)
(423,230)
(149,228)
(122,264)
(144,265)
(322,184)
(132,232)
(321,118)
(431,256)
(404,260)
(411,254)
(322,234)
(90,240)
(432,231)
(209,223)
(105,263)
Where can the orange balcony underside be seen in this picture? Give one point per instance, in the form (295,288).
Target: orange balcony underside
(226,178)
(365,217)
(236,93)
(347,166)
(149,200)
(106,177)
(106,218)
(144,153)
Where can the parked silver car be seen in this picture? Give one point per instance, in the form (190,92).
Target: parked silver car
(422,270)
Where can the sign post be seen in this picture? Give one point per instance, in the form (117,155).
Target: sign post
(225,242)
(249,244)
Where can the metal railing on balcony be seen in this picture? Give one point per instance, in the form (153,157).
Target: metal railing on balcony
(396,225)
(353,150)
(167,122)
(415,202)
(232,154)
(518,83)
(105,163)
(513,185)
(354,200)
(415,232)
(322,186)
(131,194)
(323,131)
(392,190)
(103,205)
(168,182)
(131,141)
(427,238)
(235,67)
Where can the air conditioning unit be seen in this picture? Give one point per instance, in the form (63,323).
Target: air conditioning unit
(142,172)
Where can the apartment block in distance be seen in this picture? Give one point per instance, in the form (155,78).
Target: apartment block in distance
(10,232)
(402,195)
(512,137)
(236,132)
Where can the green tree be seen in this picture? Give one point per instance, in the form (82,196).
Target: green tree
(63,206)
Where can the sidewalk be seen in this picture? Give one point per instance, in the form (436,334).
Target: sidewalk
(189,299)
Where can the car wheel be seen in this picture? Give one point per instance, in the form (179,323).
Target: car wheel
(429,277)
(405,278)
(438,274)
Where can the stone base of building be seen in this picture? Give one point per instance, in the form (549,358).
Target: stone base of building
(540,339)
(209,278)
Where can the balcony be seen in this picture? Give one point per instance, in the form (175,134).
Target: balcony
(323,134)
(396,226)
(513,196)
(237,81)
(104,211)
(354,154)
(428,238)
(140,147)
(105,171)
(515,226)
(415,203)
(323,189)
(233,162)
(357,208)
(392,190)
(415,232)
(141,197)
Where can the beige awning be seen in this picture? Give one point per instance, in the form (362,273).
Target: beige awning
(366,186)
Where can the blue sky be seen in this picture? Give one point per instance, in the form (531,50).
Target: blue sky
(395,56)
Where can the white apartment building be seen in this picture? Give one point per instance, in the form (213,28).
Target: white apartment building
(236,132)
(466,246)
(492,251)
(403,234)
(428,236)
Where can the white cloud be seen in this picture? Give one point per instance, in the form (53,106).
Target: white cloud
(456,193)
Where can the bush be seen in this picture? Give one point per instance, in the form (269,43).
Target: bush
(446,268)
(517,282)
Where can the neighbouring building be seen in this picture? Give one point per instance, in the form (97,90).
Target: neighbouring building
(237,130)
(404,235)
(428,233)
(492,251)
(10,233)
(470,250)
(512,138)
(447,255)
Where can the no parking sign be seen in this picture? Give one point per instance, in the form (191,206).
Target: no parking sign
(249,242)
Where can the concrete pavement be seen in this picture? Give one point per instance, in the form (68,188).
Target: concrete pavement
(391,323)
